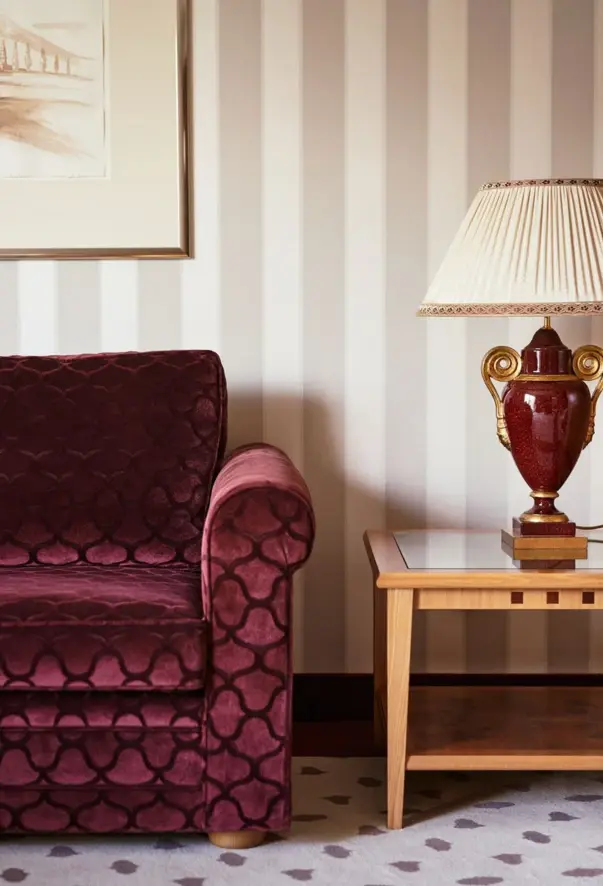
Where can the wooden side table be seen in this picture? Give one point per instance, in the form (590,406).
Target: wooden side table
(479,728)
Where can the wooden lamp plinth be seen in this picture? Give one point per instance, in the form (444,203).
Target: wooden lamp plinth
(543,547)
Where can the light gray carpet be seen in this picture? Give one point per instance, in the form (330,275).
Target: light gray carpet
(475,831)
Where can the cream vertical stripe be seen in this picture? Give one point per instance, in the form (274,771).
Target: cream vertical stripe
(489,110)
(406,335)
(446,338)
(240,32)
(572,155)
(201,277)
(596,447)
(9,328)
(531,110)
(282,352)
(38,307)
(323,325)
(119,305)
(489,85)
(365,408)
(531,79)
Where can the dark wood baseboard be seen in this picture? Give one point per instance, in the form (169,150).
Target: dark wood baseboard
(353,738)
(348,698)
(332,698)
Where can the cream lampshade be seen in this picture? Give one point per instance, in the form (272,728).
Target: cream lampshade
(533,248)
(525,247)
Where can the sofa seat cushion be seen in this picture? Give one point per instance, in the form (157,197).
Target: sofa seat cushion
(105,741)
(101,628)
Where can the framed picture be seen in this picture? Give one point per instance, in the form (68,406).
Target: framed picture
(94,135)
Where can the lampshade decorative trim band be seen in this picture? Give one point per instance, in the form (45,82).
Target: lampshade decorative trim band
(552,182)
(508,309)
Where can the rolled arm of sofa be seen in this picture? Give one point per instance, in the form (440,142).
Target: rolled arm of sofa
(259,530)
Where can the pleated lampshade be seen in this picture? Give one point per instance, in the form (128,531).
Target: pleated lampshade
(525,248)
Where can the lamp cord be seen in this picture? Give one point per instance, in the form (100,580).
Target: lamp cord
(592,541)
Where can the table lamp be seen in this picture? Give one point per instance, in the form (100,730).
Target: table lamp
(533,248)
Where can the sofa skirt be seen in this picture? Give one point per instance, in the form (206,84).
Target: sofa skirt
(122,762)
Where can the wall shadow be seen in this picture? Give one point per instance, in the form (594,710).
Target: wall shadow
(311,432)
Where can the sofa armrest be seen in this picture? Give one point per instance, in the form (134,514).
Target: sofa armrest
(259,530)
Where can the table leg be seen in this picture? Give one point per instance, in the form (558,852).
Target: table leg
(399,632)
(379,667)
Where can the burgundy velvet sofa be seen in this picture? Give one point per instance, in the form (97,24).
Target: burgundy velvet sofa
(145,602)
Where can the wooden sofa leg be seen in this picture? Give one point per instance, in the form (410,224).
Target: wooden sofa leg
(237,839)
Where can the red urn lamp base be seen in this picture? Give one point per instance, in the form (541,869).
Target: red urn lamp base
(545,417)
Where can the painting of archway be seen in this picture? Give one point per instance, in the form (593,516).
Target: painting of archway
(53,101)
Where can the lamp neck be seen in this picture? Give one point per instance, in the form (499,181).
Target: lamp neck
(547,323)
(546,354)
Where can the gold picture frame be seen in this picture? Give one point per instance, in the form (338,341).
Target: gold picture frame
(146,192)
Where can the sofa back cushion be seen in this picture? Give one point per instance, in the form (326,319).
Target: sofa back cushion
(108,459)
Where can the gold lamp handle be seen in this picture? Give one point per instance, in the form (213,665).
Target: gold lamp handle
(587,364)
(501,364)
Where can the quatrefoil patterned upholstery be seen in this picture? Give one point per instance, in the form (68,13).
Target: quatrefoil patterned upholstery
(108,459)
(145,600)
(90,627)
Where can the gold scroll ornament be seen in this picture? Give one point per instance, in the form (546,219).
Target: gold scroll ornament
(501,364)
(587,363)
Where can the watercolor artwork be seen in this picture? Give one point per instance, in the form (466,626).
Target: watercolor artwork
(53,98)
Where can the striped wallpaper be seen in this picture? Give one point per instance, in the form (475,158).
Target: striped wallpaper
(337,145)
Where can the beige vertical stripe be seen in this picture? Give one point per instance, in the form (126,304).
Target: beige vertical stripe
(446,338)
(596,447)
(10,325)
(282,189)
(79,307)
(572,155)
(406,274)
(282,373)
(572,104)
(201,278)
(159,305)
(365,409)
(530,158)
(598,89)
(323,288)
(240,31)
(489,85)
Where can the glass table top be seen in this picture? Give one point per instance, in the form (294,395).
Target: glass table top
(448,550)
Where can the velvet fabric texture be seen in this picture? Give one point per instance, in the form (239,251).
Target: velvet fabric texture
(108,459)
(101,762)
(145,604)
(259,531)
(95,627)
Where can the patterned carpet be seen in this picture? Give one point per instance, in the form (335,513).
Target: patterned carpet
(473,831)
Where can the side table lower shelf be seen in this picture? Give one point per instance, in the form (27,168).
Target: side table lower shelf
(513,728)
